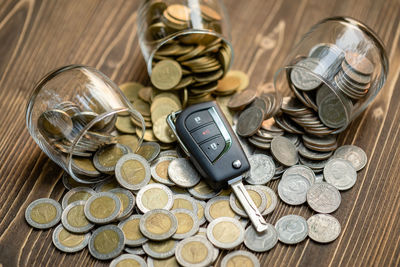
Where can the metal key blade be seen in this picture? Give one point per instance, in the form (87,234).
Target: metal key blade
(248,205)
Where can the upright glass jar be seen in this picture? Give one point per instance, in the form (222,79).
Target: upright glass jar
(75,111)
(331,76)
(187,24)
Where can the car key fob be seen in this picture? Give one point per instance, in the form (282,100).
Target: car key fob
(207,138)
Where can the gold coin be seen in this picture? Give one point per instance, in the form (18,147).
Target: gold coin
(69,242)
(69,239)
(129,140)
(80,195)
(106,242)
(243,77)
(154,198)
(200,212)
(184,202)
(142,107)
(187,223)
(84,166)
(131,90)
(164,106)
(166,74)
(179,12)
(209,13)
(194,251)
(43,213)
(149,150)
(254,196)
(148,135)
(102,208)
(162,246)
(159,170)
(226,232)
(145,94)
(229,83)
(106,185)
(107,157)
(131,230)
(220,207)
(162,131)
(76,217)
(132,171)
(55,123)
(158,224)
(124,124)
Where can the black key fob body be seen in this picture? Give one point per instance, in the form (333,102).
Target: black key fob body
(207,138)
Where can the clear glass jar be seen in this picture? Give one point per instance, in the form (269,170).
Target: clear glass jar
(72,112)
(200,24)
(335,71)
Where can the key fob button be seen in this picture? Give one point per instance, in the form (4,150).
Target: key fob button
(205,133)
(213,148)
(197,119)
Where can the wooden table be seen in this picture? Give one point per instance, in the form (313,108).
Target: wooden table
(38,36)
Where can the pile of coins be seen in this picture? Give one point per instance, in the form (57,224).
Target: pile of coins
(327,110)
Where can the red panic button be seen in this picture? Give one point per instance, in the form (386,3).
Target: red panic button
(205,133)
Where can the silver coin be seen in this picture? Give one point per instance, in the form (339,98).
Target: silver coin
(73,218)
(155,171)
(128,259)
(260,242)
(340,173)
(130,227)
(293,189)
(262,169)
(314,155)
(135,250)
(187,245)
(185,218)
(154,229)
(301,170)
(168,153)
(284,151)
(102,207)
(154,196)
(260,200)
(354,154)
(43,213)
(272,200)
(292,229)
(225,233)
(334,111)
(61,237)
(127,201)
(182,172)
(201,207)
(182,201)
(323,228)
(203,233)
(323,197)
(203,191)
(100,235)
(221,206)
(251,259)
(160,249)
(304,74)
(76,194)
(106,168)
(132,171)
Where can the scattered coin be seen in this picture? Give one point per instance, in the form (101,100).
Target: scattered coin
(43,213)
(76,194)
(182,172)
(106,185)
(166,74)
(149,150)
(201,206)
(154,196)
(106,158)
(292,229)
(158,224)
(260,242)
(256,194)
(106,242)
(240,258)
(160,249)
(102,208)
(203,191)
(188,224)
(250,121)
(203,233)
(73,218)
(135,250)
(293,189)
(159,169)
(354,154)
(284,151)
(130,227)
(128,260)
(323,228)
(272,200)
(225,233)
(219,207)
(127,201)
(129,140)
(323,197)
(194,251)
(340,173)
(186,202)
(303,77)
(69,242)
(262,169)
(132,171)
(301,170)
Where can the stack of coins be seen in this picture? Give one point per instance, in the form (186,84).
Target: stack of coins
(327,109)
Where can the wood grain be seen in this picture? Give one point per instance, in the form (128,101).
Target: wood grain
(38,36)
